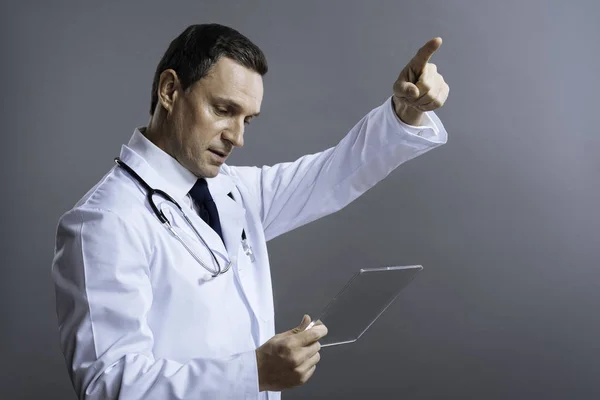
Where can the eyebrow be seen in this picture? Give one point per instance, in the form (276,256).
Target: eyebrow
(231,103)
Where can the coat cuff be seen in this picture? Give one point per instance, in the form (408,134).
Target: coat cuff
(430,132)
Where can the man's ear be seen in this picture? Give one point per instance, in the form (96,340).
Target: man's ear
(168,84)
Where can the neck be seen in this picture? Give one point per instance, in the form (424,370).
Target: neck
(156,133)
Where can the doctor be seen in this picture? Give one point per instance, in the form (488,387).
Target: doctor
(162,276)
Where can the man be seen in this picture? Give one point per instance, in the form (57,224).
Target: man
(185,310)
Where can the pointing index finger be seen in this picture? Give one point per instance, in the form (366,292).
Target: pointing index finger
(424,54)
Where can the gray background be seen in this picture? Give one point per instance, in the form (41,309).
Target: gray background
(504,218)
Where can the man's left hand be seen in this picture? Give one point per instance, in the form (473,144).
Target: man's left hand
(420,88)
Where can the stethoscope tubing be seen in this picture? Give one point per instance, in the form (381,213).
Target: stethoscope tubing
(160,215)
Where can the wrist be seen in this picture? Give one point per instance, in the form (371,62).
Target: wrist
(407,114)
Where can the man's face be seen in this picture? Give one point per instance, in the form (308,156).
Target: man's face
(209,118)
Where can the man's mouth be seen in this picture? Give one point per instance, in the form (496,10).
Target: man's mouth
(219,153)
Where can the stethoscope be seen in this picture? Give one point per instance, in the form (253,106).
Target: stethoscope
(150,192)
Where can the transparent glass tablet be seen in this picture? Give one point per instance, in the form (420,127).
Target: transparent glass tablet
(364,298)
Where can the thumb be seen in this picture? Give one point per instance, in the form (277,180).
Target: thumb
(407,90)
(300,328)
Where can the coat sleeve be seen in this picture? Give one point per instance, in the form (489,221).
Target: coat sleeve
(296,193)
(103,295)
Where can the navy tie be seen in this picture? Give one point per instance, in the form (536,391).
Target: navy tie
(206,205)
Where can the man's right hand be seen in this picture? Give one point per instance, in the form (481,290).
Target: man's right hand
(289,359)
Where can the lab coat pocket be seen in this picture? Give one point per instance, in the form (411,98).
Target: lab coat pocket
(255,286)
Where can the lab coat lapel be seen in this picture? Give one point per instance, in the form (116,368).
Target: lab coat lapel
(232,216)
(231,213)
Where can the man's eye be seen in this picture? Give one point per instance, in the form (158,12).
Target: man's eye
(222,111)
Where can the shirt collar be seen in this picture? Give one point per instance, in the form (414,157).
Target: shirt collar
(175,179)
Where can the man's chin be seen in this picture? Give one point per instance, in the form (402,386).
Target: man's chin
(209,171)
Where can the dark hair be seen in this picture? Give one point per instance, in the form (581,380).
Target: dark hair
(194,52)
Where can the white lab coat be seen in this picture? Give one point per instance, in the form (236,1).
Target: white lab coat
(139,318)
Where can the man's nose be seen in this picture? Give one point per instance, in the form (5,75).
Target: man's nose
(235,134)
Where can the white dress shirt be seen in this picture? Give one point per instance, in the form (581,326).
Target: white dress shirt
(139,318)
